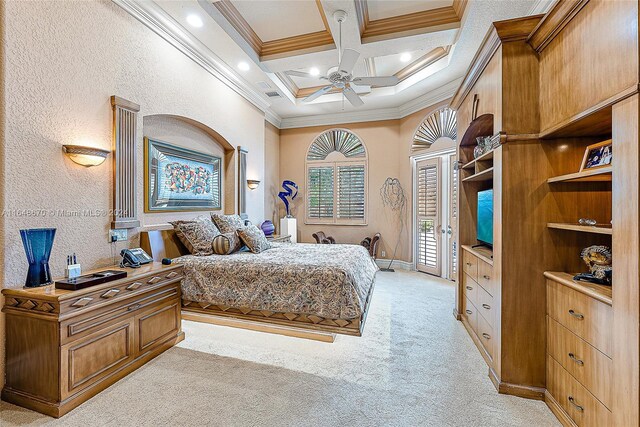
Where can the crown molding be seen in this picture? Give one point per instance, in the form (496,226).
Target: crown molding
(156,19)
(272,117)
(541,6)
(433,97)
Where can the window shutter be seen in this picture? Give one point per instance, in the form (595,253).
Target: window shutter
(351,192)
(320,192)
(427,211)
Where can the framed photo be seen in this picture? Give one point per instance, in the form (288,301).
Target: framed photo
(597,156)
(179,179)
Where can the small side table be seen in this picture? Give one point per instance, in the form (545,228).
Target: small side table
(279,238)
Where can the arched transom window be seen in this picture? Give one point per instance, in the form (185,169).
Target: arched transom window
(439,124)
(336,171)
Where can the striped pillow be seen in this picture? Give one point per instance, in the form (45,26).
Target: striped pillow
(226,243)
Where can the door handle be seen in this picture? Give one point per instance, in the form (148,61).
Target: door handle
(449,230)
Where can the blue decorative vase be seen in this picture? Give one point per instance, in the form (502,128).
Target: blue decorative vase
(37,246)
(267,227)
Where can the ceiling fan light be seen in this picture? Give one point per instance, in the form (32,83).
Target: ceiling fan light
(405,57)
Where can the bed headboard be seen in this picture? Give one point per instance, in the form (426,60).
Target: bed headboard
(162,244)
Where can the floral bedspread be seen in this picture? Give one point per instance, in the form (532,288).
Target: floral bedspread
(326,280)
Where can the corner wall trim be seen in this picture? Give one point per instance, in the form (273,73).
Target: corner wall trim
(400,265)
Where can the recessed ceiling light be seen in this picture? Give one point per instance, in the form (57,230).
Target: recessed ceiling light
(195,21)
(405,57)
(314,71)
(243,66)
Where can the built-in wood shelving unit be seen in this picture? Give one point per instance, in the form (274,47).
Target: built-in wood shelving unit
(581,228)
(590,175)
(482,252)
(484,157)
(485,175)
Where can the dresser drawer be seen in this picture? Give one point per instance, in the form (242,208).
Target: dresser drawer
(118,291)
(470,265)
(486,277)
(586,317)
(583,408)
(589,366)
(87,323)
(485,333)
(486,306)
(470,289)
(469,311)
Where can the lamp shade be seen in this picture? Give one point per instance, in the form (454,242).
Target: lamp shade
(85,156)
(253,184)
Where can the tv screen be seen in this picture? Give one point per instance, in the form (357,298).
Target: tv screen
(485,217)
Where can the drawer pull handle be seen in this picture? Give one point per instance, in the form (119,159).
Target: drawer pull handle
(576,315)
(82,302)
(133,307)
(153,280)
(573,402)
(575,359)
(486,277)
(487,306)
(468,311)
(469,264)
(486,336)
(110,293)
(470,288)
(134,286)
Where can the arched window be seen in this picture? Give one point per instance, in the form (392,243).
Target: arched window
(336,170)
(439,124)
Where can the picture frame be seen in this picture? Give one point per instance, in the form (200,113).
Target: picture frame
(597,156)
(178,179)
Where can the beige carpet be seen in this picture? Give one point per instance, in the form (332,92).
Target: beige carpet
(414,366)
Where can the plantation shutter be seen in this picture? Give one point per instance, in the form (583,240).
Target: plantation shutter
(454,216)
(320,192)
(351,192)
(427,217)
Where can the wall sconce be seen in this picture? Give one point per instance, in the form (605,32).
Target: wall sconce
(253,184)
(85,156)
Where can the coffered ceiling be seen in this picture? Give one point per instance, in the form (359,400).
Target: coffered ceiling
(426,44)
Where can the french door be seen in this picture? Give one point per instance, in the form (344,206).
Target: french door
(428,216)
(436,212)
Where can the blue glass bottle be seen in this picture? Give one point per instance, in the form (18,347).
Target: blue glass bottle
(37,246)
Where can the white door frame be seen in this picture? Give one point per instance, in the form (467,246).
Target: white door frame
(444,261)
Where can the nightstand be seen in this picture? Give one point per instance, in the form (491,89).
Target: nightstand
(280,239)
(64,347)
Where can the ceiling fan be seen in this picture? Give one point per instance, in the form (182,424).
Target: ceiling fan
(340,77)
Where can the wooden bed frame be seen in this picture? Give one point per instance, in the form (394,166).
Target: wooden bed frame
(163,243)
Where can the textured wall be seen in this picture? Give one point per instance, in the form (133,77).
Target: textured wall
(272,180)
(62,62)
(388,146)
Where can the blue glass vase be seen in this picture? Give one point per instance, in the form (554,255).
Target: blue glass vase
(37,246)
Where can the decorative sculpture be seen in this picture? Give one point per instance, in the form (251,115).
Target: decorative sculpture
(598,259)
(393,196)
(288,194)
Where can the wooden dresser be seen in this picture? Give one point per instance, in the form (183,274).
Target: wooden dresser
(479,311)
(579,349)
(63,347)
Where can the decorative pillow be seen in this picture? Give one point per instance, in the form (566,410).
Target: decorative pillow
(226,243)
(227,223)
(254,238)
(197,234)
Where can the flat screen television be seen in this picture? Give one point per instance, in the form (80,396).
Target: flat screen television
(485,217)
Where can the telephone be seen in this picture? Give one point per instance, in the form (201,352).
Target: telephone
(134,258)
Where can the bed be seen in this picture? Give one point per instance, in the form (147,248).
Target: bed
(314,287)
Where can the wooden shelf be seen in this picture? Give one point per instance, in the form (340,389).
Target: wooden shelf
(485,175)
(593,175)
(580,228)
(483,252)
(599,292)
(485,156)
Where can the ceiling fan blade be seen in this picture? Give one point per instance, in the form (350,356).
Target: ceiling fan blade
(376,81)
(352,97)
(318,93)
(300,74)
(349,58)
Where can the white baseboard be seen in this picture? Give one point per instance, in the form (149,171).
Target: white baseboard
(399,265)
